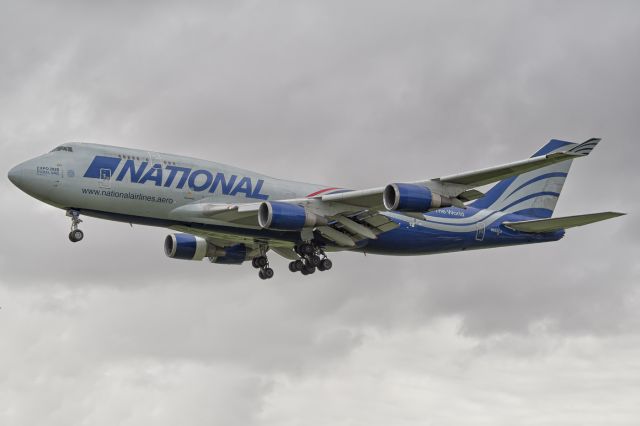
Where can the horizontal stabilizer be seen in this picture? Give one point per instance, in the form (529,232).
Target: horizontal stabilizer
(558,223)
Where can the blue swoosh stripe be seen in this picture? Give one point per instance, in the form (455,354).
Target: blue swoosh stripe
(537,178)
(528,197)
(493,194)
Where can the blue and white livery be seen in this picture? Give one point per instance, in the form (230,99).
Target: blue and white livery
(230,215)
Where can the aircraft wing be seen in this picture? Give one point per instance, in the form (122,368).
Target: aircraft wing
(346,225)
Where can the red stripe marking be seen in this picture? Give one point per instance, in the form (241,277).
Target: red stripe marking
(313,194)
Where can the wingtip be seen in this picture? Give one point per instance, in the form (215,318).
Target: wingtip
(611,215)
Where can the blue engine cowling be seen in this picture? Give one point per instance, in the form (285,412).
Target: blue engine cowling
(407,197)
(191,247)
(287,217)
(233,255)
(185,246)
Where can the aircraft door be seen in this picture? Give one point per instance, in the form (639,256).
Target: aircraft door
(480,228)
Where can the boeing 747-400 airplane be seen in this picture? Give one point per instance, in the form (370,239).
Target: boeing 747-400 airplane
(230,215)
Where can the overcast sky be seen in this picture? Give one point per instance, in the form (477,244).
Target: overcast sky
(347,93)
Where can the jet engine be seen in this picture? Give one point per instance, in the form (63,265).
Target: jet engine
(407,197)
(191,247)
(287,217)
(185,246)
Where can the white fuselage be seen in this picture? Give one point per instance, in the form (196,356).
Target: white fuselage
(142,183)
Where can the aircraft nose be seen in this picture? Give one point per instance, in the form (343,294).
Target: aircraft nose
(15,175)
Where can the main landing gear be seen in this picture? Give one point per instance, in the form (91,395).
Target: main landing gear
(312,257)
(76,234)
(262,262)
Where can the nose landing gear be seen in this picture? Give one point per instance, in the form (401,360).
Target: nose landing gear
(76,234)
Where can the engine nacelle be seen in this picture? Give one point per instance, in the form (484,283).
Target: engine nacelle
(407,197)
(185,246)
(189,247)
(287,217)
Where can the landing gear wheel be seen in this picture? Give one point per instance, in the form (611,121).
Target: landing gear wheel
(262,262)
(312,257)
(76,235)
(265,273)
(268,273)
(315,260)
(306,249)
(325,264)
(254,262)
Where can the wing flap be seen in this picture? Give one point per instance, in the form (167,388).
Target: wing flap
(380,222)
(367,224)
(558,223)
(356,228)
(336,236)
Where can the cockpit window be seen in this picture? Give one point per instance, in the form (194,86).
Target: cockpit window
(62,148)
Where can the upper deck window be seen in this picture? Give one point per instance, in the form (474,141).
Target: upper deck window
(62,148)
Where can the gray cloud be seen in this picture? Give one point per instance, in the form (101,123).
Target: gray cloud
(345,93)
